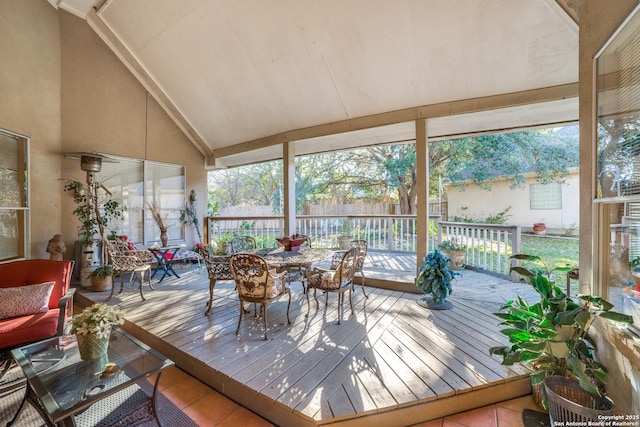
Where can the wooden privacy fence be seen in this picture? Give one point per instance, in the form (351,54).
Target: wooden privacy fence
(489,246)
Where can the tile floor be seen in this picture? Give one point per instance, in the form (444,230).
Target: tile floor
(209,408)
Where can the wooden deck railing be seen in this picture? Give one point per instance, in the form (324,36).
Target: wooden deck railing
(489,246)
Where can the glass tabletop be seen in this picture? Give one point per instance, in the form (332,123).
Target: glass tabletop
(65,384)
(303,256)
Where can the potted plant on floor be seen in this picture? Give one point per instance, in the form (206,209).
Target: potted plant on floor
(552,335)
(434,280)
(102,278)
(455,250)
(344,235)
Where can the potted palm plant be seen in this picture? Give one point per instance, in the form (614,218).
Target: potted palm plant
(552,335)
(434,280)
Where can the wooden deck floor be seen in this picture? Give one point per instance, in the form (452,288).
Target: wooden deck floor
(393,362)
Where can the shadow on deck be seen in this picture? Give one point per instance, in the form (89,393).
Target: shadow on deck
(392,362)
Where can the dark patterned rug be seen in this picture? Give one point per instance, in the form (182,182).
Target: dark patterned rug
(125,408)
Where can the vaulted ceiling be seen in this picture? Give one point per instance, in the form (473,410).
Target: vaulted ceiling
(241,77)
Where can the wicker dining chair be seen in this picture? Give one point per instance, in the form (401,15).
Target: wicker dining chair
(125,260)
(337,281)
(362,246)
(217,269)
(257,284)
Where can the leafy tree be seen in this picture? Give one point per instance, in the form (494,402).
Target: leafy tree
(483,159)
(389,172)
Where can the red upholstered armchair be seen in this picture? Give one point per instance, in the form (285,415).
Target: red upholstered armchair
(32,317)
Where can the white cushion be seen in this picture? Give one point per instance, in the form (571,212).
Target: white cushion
(25,300)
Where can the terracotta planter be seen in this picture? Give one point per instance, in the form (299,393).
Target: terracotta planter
(456,259)
(99,284)
(539,228)
(164,238)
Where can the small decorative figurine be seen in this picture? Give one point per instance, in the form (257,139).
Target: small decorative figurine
(56,248)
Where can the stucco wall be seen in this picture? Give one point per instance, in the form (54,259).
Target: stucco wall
(477,202)
(30,93)
(64,88)
(598,20)
(105,109)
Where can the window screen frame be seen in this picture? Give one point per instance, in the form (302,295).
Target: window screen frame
(20,209)
(144,230)
(616,154)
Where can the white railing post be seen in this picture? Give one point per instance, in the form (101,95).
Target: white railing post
(489,246)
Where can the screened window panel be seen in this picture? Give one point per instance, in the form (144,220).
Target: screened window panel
(12,234)
(125,180)
(165,186)
(138,182)
(14,213)
(618,116)
(13,171)
(545,196)
(618,194)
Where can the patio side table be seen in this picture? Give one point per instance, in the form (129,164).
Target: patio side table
(63,388)
(165,256)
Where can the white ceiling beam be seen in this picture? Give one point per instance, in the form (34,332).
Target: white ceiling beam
(393,117)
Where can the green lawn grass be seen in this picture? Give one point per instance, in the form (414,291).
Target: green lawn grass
(555,252)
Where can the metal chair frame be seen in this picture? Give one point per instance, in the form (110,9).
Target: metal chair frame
(252,276)
(341,281)
(125,260)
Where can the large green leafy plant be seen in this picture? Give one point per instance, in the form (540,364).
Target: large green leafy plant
(96,210)
(553,334)
(435,277)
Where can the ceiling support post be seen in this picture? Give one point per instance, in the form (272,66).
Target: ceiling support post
(422,193)
(289,181)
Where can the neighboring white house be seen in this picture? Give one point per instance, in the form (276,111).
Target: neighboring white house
(554,204)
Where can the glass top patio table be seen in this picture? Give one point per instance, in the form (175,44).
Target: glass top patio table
(60,384)
(304,256)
